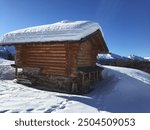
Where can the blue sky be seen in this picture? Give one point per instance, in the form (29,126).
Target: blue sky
(125,23)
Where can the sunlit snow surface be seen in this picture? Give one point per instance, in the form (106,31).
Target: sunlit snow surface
(60,31)
(122,90)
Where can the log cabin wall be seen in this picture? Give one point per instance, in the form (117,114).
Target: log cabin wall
(50,59)
(18,58)
(89,49)
(72,51)
(62,58)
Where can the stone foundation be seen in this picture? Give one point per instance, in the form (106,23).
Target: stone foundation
(81,84)
(58,83)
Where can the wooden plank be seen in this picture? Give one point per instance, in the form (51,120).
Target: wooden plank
(42,51)
(45,45)
(46,65)
(55,68)
(41,63)
(54,72)
(46,54)
(83,64)
(84,58)
(44,61)
(46,58)
(84,61)
(52,55)
(45,48)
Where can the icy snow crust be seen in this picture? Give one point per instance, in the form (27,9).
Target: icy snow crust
(60,31)
(121,90)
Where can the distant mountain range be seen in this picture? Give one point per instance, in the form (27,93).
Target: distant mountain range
(10,49)
(7,51)
(111,57)
(134,57)
(147,58)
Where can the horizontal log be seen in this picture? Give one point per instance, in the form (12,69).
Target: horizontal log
(54,68)
(46,49)
(45,54)
(46,58)
(43,45)
(84,55)
(44,61)
(42,51)
(54,72)
(74,47)
(49,57)
(85,64)
(34,52)
(53,55)
(48,45)
(81,52)
(85,58)
(41,65)
(50,51)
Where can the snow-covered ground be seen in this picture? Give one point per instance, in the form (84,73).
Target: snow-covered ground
(6,71)
(122,90)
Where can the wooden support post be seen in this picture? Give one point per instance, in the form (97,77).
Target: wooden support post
(94,76)
(97,75)
(89,76)
(16,72)
(83,79)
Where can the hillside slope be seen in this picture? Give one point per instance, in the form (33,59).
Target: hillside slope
(122,90)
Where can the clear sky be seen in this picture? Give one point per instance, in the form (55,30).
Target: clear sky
(125,23)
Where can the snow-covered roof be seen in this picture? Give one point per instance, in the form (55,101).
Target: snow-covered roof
(60,31)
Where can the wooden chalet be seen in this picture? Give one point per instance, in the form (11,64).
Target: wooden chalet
(64,63)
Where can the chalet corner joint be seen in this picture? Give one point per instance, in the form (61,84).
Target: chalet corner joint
(60,56)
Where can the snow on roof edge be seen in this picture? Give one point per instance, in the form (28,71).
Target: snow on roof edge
(60,31)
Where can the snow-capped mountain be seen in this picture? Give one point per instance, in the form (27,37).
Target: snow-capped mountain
(134,57)
(10,49)
(6,51)
(111,57)
(147,58)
